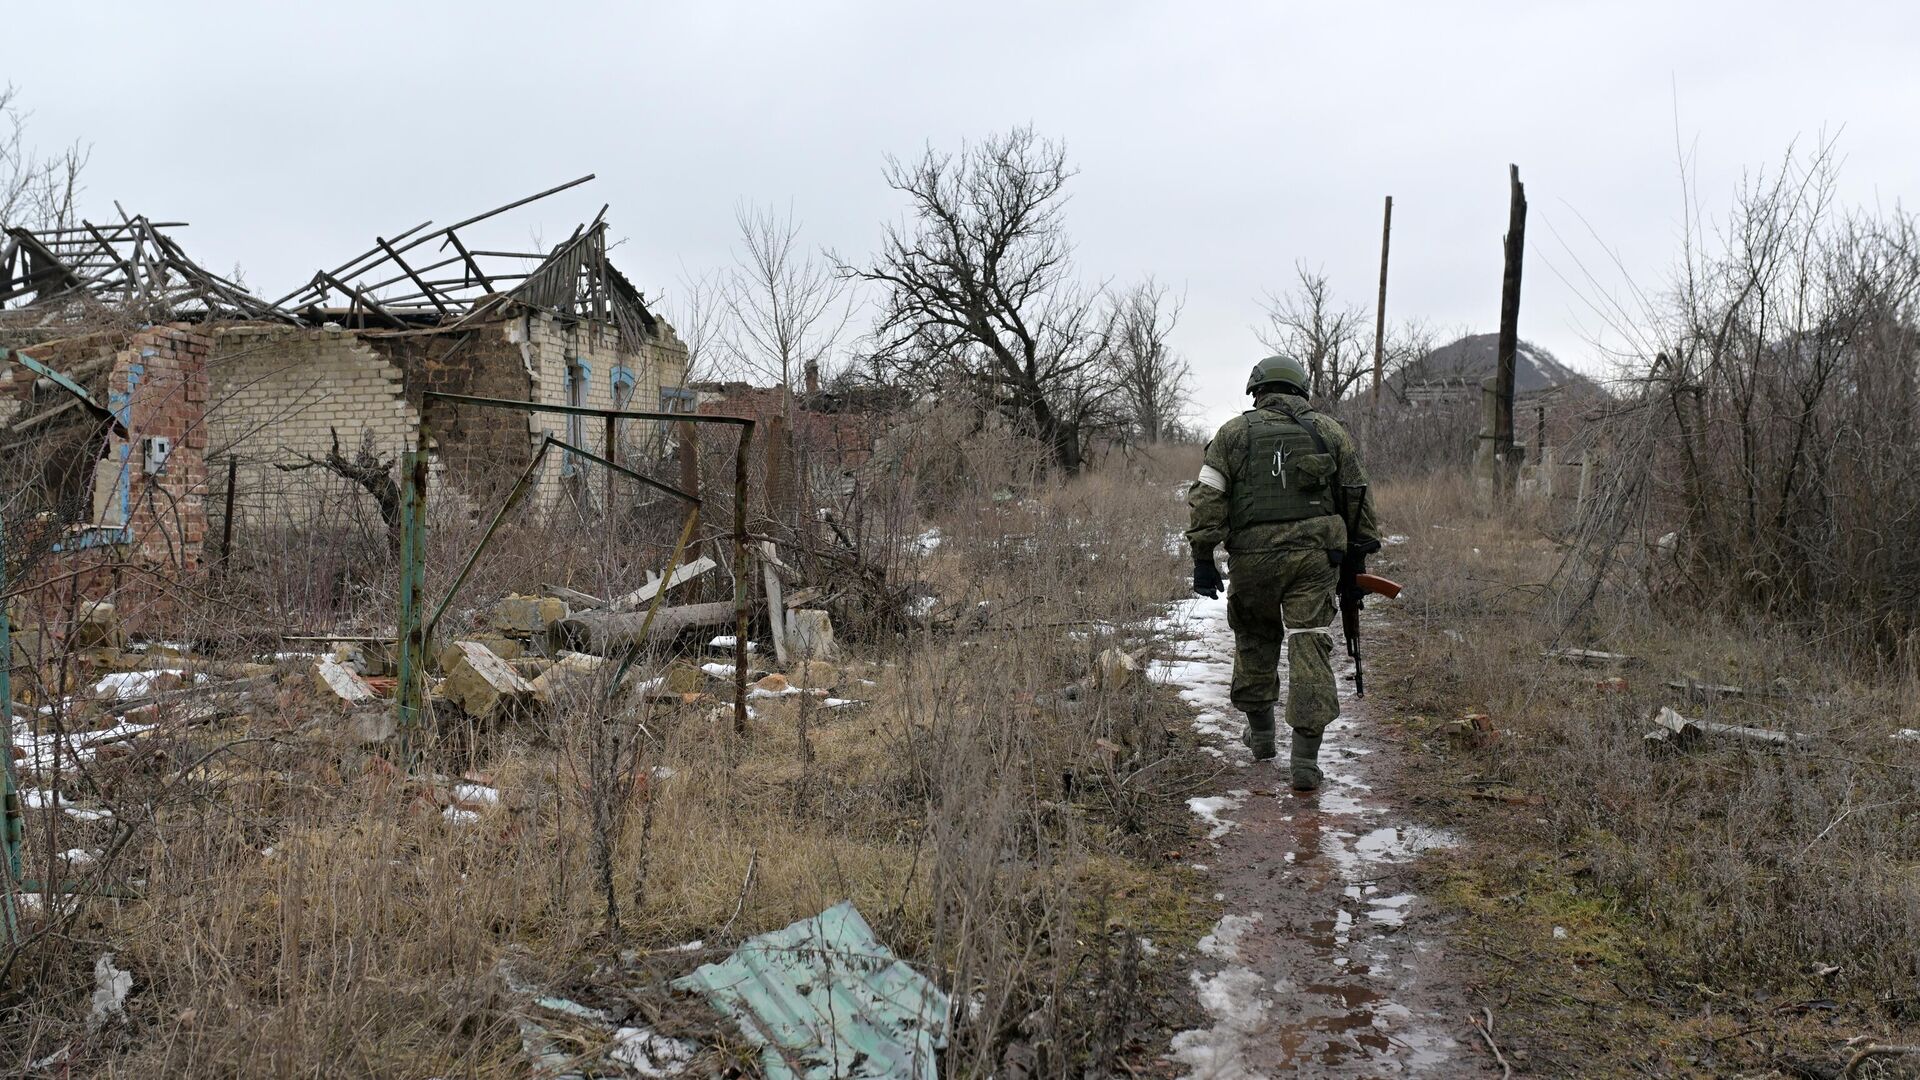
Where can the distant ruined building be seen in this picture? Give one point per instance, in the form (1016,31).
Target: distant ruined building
(137,382)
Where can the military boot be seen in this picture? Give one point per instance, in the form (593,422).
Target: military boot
(1258,734)
(1304,760)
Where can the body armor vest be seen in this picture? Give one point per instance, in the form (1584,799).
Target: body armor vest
(1287,474)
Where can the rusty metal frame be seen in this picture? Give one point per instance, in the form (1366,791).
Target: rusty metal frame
(415,634)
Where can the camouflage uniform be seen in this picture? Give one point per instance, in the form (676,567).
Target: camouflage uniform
(1282,579)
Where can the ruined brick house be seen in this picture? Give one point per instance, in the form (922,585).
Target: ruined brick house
(138,379)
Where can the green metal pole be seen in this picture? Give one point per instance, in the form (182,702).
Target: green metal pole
(413,641)
(13,828)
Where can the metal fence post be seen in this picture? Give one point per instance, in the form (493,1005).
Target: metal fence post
(13,827)
(408,694)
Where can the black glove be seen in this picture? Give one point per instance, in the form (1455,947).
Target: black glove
(1206,576)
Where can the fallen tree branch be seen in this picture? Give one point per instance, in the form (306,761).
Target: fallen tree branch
(1486,1033)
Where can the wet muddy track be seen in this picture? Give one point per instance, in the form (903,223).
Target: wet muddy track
(1326,961)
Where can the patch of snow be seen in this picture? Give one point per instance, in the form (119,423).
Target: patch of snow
(458,816)
(1223,941)
(83,814)
(1237,1003)
(121,685)
(78,856)
(928,542)
(1394,540)
(718,670)
(1209,808)
(1147,948)
(476,793)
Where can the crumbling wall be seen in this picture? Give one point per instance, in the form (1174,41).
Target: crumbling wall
(475,450)
(145,529)
(279,394)
(554,345)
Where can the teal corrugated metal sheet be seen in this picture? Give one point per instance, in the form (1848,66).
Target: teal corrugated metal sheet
(825,1001)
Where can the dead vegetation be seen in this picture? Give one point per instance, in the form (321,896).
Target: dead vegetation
(1714,905)
(286,900)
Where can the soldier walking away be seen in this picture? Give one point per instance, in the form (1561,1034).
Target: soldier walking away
(1284,489)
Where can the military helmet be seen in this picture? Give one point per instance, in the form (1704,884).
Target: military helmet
(1278,369)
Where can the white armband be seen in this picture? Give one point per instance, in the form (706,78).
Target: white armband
(1213,478)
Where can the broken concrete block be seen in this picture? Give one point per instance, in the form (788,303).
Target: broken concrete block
(525,616)
(810,635)
(505,648)
(1116,669)
(370,726)
(482,684)
(342,682)
(570,676)
(97,627)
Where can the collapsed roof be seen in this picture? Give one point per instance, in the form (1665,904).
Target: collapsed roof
(455,283)
(83,273)
(71,273)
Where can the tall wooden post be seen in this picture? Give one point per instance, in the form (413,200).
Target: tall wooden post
(226,523)
(1507,464)
(1380,308)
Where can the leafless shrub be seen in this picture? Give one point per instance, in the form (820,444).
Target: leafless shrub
(1772,436)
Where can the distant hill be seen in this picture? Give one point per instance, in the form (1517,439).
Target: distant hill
(1457,369)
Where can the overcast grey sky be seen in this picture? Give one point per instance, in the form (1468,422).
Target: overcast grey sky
(1217,143)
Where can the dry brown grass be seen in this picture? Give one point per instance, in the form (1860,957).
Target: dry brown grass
(306,911)
(1706,889)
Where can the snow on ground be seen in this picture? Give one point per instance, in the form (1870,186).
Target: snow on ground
(1205,675)
(1235,998)
(121,685)
(1211,807)
(1358,840)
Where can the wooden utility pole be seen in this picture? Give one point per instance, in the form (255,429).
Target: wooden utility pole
(1507,463)
(1380,308)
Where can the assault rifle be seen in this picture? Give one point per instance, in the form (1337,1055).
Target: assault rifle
(1355,584)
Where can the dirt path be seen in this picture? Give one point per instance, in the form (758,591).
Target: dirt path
(1325,963)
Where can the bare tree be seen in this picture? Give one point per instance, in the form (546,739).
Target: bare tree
(1155,381)
(696,316)
(35,192)
(1311,327)
(784,309)
(980,296)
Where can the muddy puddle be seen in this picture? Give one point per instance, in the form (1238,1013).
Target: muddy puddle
(1326,962)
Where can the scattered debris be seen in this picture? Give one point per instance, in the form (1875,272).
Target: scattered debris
(525,616)
(574,598)
(824,999)
(1671,727)
(483,684)
(110,987)
(1591,657)
(569,676)
(645,593)
(342,682)
(1116,669)
(810,635)
(1474,730)
(606,633)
